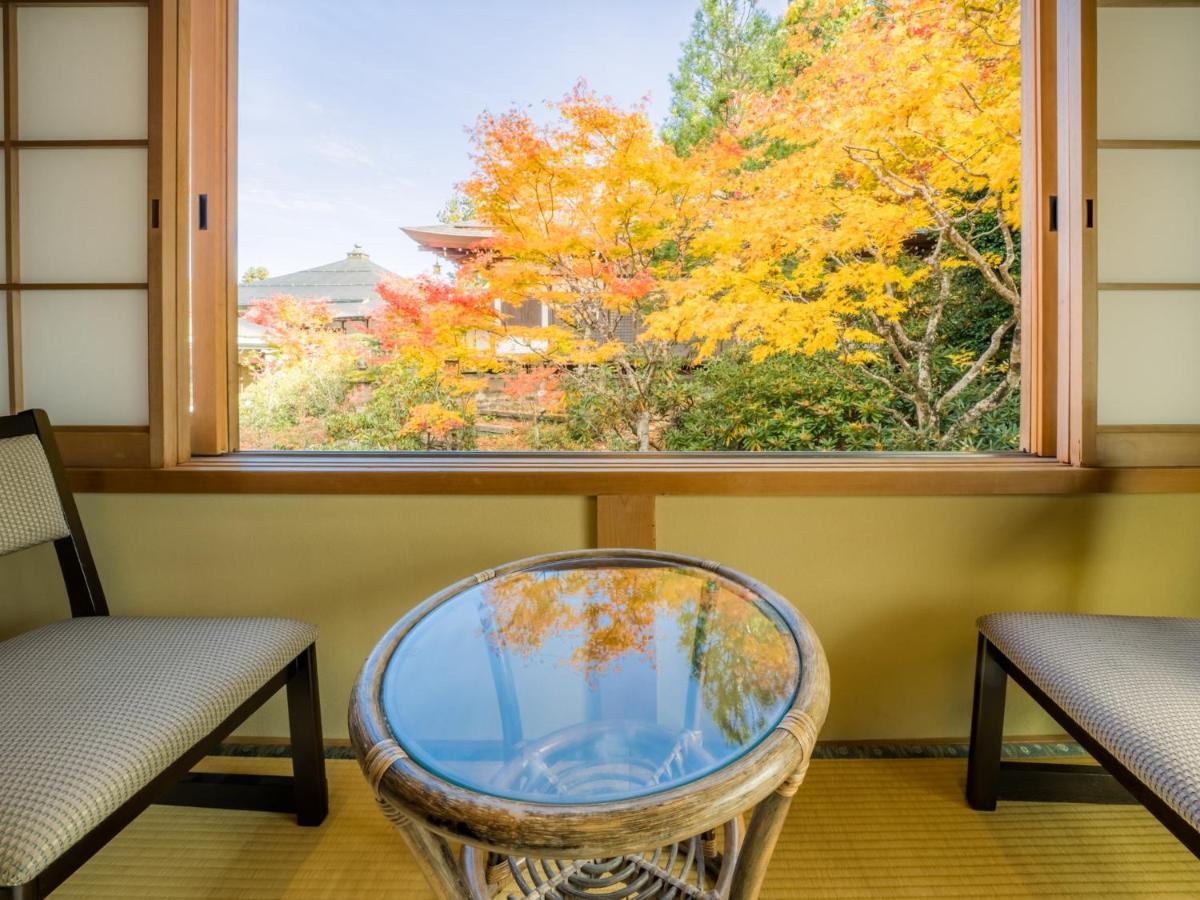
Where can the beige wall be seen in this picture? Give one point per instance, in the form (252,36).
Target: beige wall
(892,585)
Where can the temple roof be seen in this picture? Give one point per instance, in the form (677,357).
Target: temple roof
(348,285)
(452,240)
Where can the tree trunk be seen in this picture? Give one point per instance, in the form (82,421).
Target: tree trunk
(643,430)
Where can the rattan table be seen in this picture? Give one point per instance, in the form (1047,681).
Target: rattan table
(593,724)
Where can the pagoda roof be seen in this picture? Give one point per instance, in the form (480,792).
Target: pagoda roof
(451,240)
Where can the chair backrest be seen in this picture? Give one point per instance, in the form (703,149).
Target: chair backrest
(37,507)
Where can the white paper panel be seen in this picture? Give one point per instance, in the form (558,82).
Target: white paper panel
(1149,369)
(82,72)
(1148,215)
(4,409)
(1148,79)
(83,215)
(85,356)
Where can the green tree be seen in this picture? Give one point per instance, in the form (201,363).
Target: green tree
(255,273)
(459,208)
(734,48)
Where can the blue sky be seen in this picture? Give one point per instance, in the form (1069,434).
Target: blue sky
(353,115)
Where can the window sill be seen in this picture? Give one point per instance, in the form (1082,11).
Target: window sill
(661,474)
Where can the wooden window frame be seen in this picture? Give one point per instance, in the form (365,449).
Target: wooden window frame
(196,452)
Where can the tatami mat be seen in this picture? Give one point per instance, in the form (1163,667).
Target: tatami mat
(858,828)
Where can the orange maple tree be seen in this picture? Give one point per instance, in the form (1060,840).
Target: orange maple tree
(442,333)
(594,215)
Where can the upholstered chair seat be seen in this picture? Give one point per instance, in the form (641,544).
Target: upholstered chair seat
(101,715)
(1131,682)
(96,707)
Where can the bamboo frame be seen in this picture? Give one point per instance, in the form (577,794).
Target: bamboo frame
(429,809)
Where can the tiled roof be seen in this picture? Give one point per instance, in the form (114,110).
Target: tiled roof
(348,285)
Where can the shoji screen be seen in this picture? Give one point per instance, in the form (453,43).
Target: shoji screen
(1148,234)
(76,223)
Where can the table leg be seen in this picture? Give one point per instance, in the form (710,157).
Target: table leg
(765,825)
(437,862)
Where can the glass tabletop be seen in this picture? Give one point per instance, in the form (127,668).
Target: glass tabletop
(590,680)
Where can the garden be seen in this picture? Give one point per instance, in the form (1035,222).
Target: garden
(819,250)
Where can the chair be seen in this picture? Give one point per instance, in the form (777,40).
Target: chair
(101,715)
(1127,688)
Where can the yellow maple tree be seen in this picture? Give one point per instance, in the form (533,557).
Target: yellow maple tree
(863,191)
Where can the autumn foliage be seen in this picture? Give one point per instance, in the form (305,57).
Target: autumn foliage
(594,215)
(858,218)
(886,167)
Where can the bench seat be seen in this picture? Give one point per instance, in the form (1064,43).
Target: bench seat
(1131,682)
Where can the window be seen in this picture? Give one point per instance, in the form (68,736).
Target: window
(746,308)
(761,227)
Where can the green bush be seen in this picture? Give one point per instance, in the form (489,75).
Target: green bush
(791,403)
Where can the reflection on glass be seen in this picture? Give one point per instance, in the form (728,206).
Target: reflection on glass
(590,681)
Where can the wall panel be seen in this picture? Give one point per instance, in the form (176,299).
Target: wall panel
(892,585)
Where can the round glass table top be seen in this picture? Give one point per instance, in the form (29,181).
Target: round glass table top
(588,680)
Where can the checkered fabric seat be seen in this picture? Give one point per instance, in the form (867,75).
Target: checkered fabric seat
(1132,682)
(94,708)
(101,715)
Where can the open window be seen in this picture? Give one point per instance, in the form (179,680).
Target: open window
(128,306)
(763,241)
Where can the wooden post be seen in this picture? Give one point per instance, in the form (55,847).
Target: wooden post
(626,520)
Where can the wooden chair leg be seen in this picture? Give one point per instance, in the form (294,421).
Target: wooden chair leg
(987,729)
(308,748)
(29,891)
